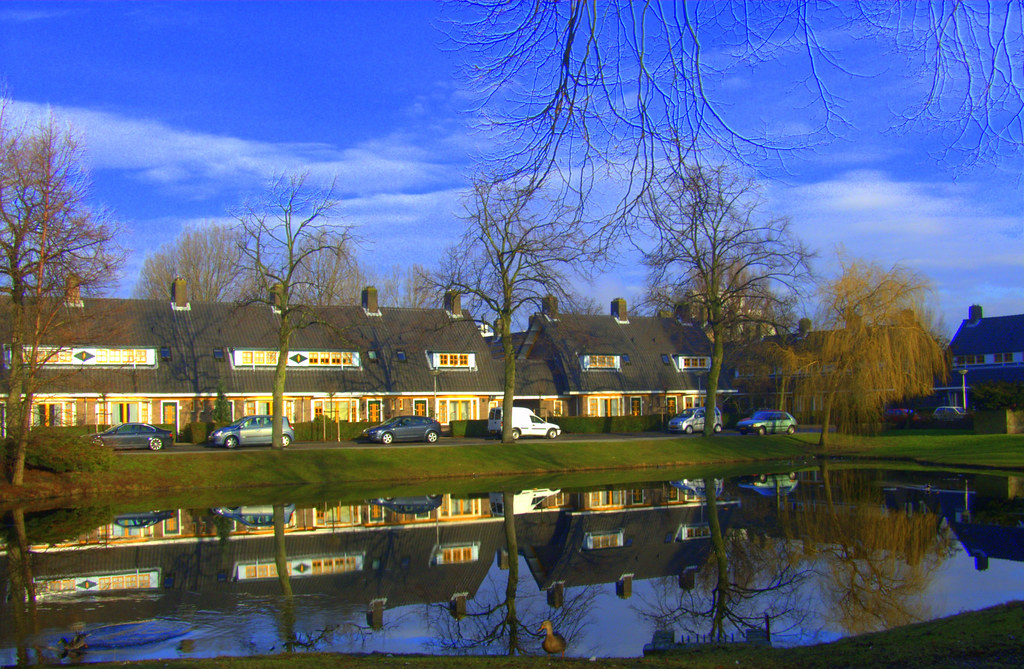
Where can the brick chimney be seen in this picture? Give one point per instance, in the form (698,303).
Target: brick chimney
(619,309)
(974,313)
(549,307)
(179,293)
(73,292)
(369,301)
(453,304)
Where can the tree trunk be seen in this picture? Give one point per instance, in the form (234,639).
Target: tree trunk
(280,370)
(711,396)
(509,389)
(826,418)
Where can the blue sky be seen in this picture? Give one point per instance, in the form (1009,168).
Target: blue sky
(187,107)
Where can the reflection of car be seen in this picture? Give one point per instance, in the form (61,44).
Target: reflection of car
(139,520)
(692,420)
(412,505)
(696,487)
(135,435)
(949,413)
(252,431)
(769,484)
(405,428)
(254,516)
(768,422)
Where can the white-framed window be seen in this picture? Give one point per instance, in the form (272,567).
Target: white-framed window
(455,409)
(451,360)
(323,359)
(90,356)
(685,363)
(117,412)
(604,406)
(266,408)
(602,361)
(341,409)
(457,553)
(688,532)
(49,413)
(593,541)
(1002,358)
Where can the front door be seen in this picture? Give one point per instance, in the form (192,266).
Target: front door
(373,411)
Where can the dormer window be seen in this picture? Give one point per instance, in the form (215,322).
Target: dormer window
(593,541)
(692,363)
(589,362)
(451,360)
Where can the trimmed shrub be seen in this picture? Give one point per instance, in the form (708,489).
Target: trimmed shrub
(59,450)
(316,430)
(469,428)
(607,424)
(197,432)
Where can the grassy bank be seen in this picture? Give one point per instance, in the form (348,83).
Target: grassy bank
(192,473)
(989,638)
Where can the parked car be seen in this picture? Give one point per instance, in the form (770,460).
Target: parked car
(949,413)
(135,435)
(768,422)
(260,515)
(692,420)
(525,423)
(251,431)
(769,484)
(405,428)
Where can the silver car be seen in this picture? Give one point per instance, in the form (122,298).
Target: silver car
(692,420)
(251,431)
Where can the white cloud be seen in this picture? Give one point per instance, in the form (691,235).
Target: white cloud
(205,164)
(971,252)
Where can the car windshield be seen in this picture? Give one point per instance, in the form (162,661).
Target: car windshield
(686,414)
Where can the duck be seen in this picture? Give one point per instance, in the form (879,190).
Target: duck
(553,642)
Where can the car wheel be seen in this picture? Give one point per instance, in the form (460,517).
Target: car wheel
(286,441)
(552,433)
(718,428)
(515,433)
(155,443)
(688,429)
(387,438)
(761,431)
(230,441)
(431,437)
(790,430)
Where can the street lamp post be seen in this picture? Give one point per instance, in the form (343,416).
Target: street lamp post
(963,385)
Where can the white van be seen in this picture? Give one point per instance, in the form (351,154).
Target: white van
(525,423)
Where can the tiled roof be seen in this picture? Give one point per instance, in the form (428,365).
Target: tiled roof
(1000,334)
(645,340)
(192,335)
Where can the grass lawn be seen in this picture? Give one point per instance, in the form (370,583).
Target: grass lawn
(419,469)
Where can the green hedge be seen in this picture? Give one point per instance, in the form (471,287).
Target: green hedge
(314,430)
(469,428)
(608,424)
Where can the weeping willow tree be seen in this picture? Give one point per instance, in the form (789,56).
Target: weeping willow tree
(874,347)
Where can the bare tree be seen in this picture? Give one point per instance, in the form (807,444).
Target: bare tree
(517,248)
(638,85)
(198,256)
(332,276)
(873,346)
(711,242)
(408,287)
(53,245)
(283,231)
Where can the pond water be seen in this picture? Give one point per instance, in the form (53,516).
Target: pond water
(797,556)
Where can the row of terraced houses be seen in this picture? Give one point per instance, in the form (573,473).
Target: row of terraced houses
(166,361)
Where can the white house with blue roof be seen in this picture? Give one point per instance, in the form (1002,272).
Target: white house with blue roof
(984,350)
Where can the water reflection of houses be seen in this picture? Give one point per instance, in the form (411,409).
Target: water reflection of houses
(986,513)
(368,558)
(363,557)
(616,537)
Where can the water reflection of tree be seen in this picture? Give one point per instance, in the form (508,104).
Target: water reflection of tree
(21,593)
(875,563)
(494,621)
(748,579)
